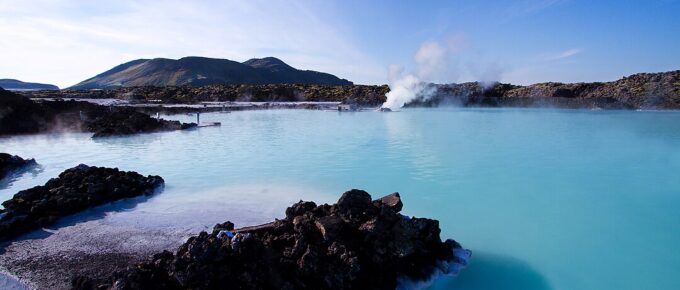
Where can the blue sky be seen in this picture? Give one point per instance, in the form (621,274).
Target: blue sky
(523,42)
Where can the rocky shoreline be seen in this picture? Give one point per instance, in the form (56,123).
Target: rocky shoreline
(74,190)
(83,245)
(638,91)
(20,115)
(12,163)
(363,95)
(357,243)
(127,121)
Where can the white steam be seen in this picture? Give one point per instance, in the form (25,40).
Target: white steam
(435,61)
(487,75)
(403,87)
(431,60)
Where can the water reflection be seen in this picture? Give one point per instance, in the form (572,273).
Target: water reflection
(560,178)
(32,170)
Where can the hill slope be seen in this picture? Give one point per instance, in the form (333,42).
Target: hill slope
(200,71)
(17,85)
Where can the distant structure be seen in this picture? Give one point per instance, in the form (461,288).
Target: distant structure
(347,108)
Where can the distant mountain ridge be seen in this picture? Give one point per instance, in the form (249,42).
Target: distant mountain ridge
(17,85)
(201,71)
(660,90)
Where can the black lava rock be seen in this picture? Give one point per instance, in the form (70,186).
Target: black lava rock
(20,115)
(10,163)
(125,121)
(354,244)
(74,190)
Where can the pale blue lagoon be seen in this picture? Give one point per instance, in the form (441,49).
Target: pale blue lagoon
(545,199)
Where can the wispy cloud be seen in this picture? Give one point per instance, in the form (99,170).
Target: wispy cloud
(64,42)
(560,55)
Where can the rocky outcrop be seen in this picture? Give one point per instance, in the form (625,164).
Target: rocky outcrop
(355,94)
(357,243)
(74,190)
(639,91)
(645,91)
(11,163)
(125,121)
(551,95)
(461,95)
(20,115)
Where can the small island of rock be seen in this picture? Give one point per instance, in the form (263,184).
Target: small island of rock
(74,190)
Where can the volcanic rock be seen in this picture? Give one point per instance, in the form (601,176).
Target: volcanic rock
(362,95)
(74,190)
(10,163)
(392,201)
(356,243)
(638,91)
(20,115)
(125,121)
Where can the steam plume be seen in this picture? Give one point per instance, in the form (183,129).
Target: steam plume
(431,60)
(434,62)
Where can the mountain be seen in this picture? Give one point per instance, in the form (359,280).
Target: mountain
(201,71)
(17,85)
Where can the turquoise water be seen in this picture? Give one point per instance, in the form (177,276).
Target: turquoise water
(546,199)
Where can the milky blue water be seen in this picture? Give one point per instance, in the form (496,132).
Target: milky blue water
(545,199)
